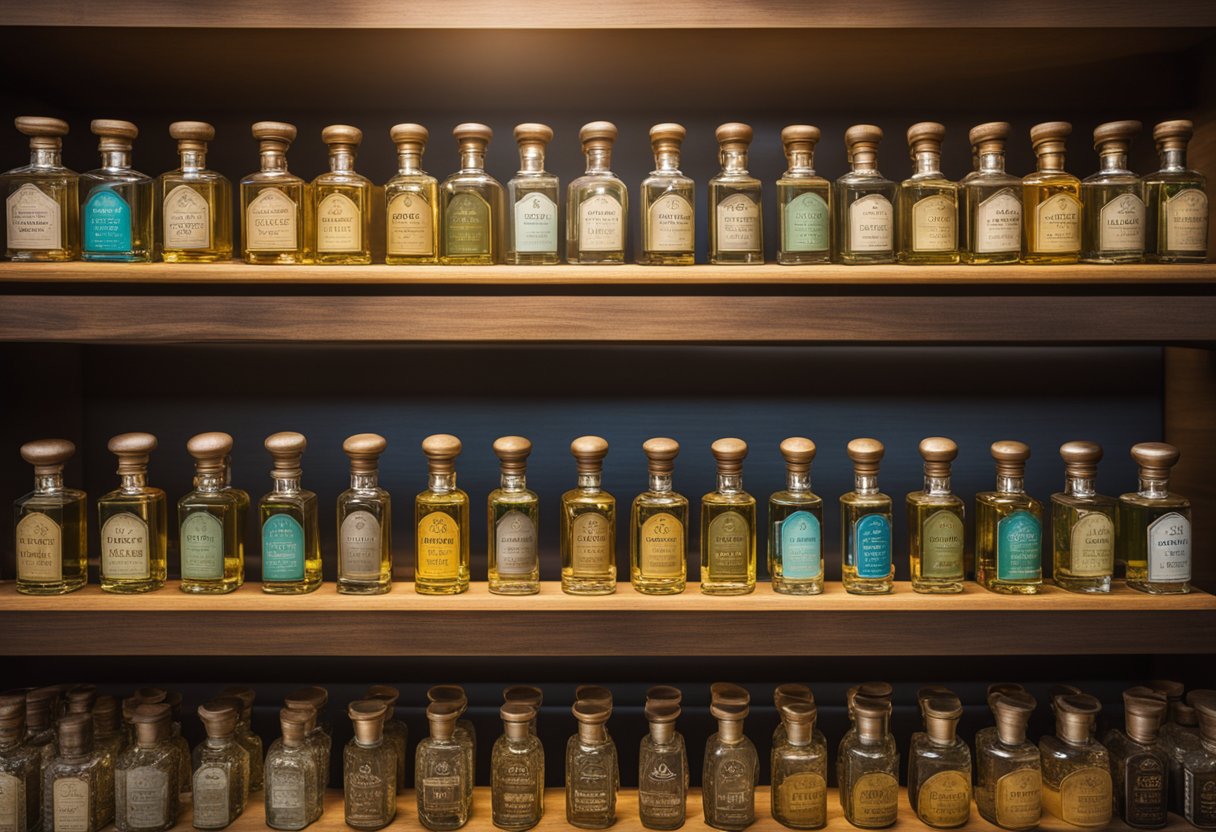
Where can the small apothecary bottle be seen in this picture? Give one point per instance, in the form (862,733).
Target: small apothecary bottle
(471,204)
(597,203)
(990,206)
(42,199)
(532,238)
(291,776)
(341,202)
(805,201)
(731,767)
(1175,200)
(146,775)
(662,768)
(865,525)
(464,732)
(658,552)
(528,695)
(513,523)
(928,202)
(244,734)
(1153,525)
(936,539)
(1113,200)
(396,732)
(365,534)
(869,766)
(588,524)
(116,200)
(1076,767)
(1199,768)
(369,769)
(800,769)
(291,541)
(221,769)
(1082,524)
(668,197)
(865,202)
(195,202)
(1009,527)
(411,202)
(875,690)
(133,521)
(728,526)
(593,774)
(20,768)
(212,559)
(736,217)
(1051,201)
(51,526)
(274,217)
(939,766)
(795,525)
(314,745)
(441,778)
(1009,778)
(1139,764)
(78,781)
(441,522)
(110,734)
(517,771)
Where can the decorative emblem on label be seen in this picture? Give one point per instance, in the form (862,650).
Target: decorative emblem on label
(34,220)
(438,547)
(359,547)
(187,219)
(662,547)
(39,548)
(124,547)
(270,222)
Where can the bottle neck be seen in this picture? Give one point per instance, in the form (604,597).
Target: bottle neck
(599,160)
(865,161)
(513,482)
(589,481)
(409,162)
(1009,485)
(1173,159)
(48,483)
(1079,486)
(1052,162)
(193,160)
(219,742)
(662,733)
(992,162)
(865,483)
(342,160)
(1114,162)
(730,730)
(442,483)
(116,159)
(1154,487)
(802,162)
(133,483)
(274,160)
(660,483)
(798,482)
(364,481)
(733,160)
(210,481)
(667,160)
(591,734)
(472,159)
(531,157)
(730,483)
(937,485)
(286,485)
(43,157)
(928,163)
(798,733)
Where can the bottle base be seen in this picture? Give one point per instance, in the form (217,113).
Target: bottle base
(585,586)
(739,259)
(803,258)
(360,588)
(57,588)
(411,260)
(514,588)
(1176,258)
(998,259)
(281,258)
(885,258)
(533,259)
(1161,588)
(658,586)
(1005,588)
(658,259)
(1050,259)
(48,256)
(786,586)
(195,257)
(452,588)
(727,589)
(132,588)
(208,588)
(943,588)
(1113,259)
(478,260)
(856,588)
(292,588)
(1083,585)
(117,256)
(343,260)
(949,259)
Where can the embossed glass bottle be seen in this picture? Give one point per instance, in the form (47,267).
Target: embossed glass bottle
(212,559)
(1139,764)
(791,692)
(316,741)
(800,769)
(1113,228)
(396,733)
(1082,524)
(869,766)
(1051,201)
(662,769)
(668,197)
(275,216)
(292,799)
(1009,527)
(588,524)
(1153,525)
(593,775)
(365,534)
(133,521)
(146,775)
(464,733)
(244,734)
(867,567)
(441,522)
(728,526)
(597,203)
(805,201)
(736,216)
(513,523)
(1178,736)
(42,199)
(928,202)
(78,781)
(876,690)
(990,202)
(440,773)
(1076,767)
(865,203)
(528,695)
(936,548)
(369,769)
(342,202)
(658,524)
(517,771)
(221,769)
(939,767)
(50,524)
(731,769)
(471,204)
(20,769)
(116,200)
(1009,779)
(795,525)
(1199,768)
(532,238)
(291,544)
(195,202)
(1175,200)
(411,201)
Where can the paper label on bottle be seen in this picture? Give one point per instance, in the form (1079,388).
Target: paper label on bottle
(106,218)
(34,220)
(467,225)
(1058,226)
(535,223)
(438,547)
(411,226)
(516,790)
(71,799)
(1169,548)
(941,546)
(285,794)
(1199,798)
(803,799)
(1083,798)
(734,794)
(187,219)
(367,797)
(12,803)
(590,548)
(601,224)
(359,547)
(39,548)
(998,223)
(661,790)
(729,539)
(669,224)
(1122,224)
(1019,798)
(935,224)
(738,218)
(1186,221)
(441,792)
(515,544)
(872,546)
(801,547)
(662,552)
(202,547)
(944,800)
(124,547)
(282,549)
(590,786)
(875,800)
(806,224)
(1092,546)
(147,797)
(870,225)
(339,224)
(1145,796)
(270,222)
(210,798)
(1019,547)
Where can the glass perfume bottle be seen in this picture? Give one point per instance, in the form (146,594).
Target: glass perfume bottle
(528,695)
(464,733)
(795,525)
(1178,735)
(212,560)
(51,526)
(310,703)
(593,775)
(133,521)
(1199,768)
(658,523)
(1153,525)
(785,693)
(1082,524)
(668,197)
(800,769)
(369,769)
(805,201)
(865,203)
(1076,767)
(241,497)
(513,522)
(78,781)
(471,204)
(244,734)
(1113,229)
(20,769)
(936,548)
(928,202)
(441,520)
(517,771)
(195,202)
(341,203)
(1009,778)
(731,770)
(1009,527)
(110,736)
(662,769)
(146,775)
(116,200)
(1139,764)
(1051,201)
(221,770)
(291,545)
(873,690)
(597,203)
(533,194)
(728,526)
(865,525)
(292,799)
(736,218)
(440,776)
(939,767)
(275,217)
(1175,200)
(365,534)
(396,732)
(411,200)
(173,699)
(42,199)
(869,766)
(588,524)
(990,202)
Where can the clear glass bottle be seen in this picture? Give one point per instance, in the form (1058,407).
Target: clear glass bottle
(291,540)
(471,204)
(78,781)
(517,771)
(365,533)
(369,769)
(800,769)
(441,520)
(1139,764)
(597,203)
(1051,201)
(292,798)
(936,538)
(221,769)
(588,524)
(869,766)
(795,525)
(173,699)
(662,769)
(241,497)
(728,526)
(50,524)
(928,202)
(1009,777)
(395,731)
(1009,527)
(731,769)
(790,692)
(804,200)
(1153,525)
(990,202)
(532,238)
(276,219)
(147,776)
(411,202)
(195,202)
(865,203)
(441,778)
(513,523)
(668,200)
(736,215)
(212,558)
(658,524)
(309,702)
(1082,524)
(1199,769)
(342,203)
(1175,201)
(528,695)
(133,521)
(109,735)
(1076,767)
(464,732)
(116,200)
(244,734)
(939,767)
(20,769)
(42,199)
(1113,230)
(1178,736)
(867,566)
(875,690)
(593,775)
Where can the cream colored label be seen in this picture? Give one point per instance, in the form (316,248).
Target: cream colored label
(39,549)
(438,547)
(1083,799)
(187,219)
(34,221)
(803,799)
(601,224)
(669,225)
(71,802)
(1186,221)
(944,800)
(124,547)
(359,547)
(12,804)
(738,224)
(1019,798)
(1092,546)
(147,797)
(935,224)
(875,800)
(590,545)
(339,224)
(662,547)
(870,226)
(515,545)
(1122,224)
(729,549)
(270,222)
(998,223)
(210,798)
(411,225)
(1058,225)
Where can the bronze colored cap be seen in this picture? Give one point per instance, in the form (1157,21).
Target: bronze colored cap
(133,451)
(1205,709)
(792,692)
(209,451)
(1012,711)
(45,133)
(441,450)
(114,134)
(151,723)
(1081,459)
(529,695)
(341,134)
(76,733)
(517,712)
(367,717)
(219,716)
(862,137)
(589,453)
(533,132)
(246,695)
(191,135)
(306,714)
(274,135)
(1004,687)
(927,692)
(1075,715)
(409,135)
(448,693)
(1184,714)
(1155,459)
(866,455)
(384,693)
(798,712)
(876,690)
(938,452)
(1049,137)
(802,137)
(667,136)
(989,137)
(925,137)
(661,454)
(1171,135)
(287,448)
(798,453)
(591,713)
(942,714)
(1173,691)
(661,711)
(512,453)
(872,716)
(364,450)
(734,135)
(728,711)
(664,693)
(728,693)
(1143,713)
(597,134)
(151,696)
(473,134)
(38,705)
(105,712)
(1063,690)
(443,712)
(1010,457)
(1115,136)
(47,455)
(81,699)
(730,454)
(294,725)
(314,696)
(12,705)
(593,695)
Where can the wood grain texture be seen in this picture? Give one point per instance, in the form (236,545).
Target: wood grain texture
(1190,424)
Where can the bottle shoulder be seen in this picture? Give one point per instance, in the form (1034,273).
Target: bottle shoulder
(930,181)
(1185,176)
(524,497)
(203,176)
(59,499)
(802,179)
(1051,177)
(1169,500)
(37,172)
(661,499)
(349,179)
(870,179)
(471,180)
(277,178)
(580,497)
(925,498)
(737,180)
(1092,502)
(421,178)
(534,179)
(732,498)
(115,176)
(877,500)
(796,499)
(670,179)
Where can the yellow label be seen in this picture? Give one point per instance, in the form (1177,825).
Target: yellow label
(934,224)
(1019,798)
(1058,226)
(71,800)
(662,547)
(124,547)
(270,222)
(34,221)
(1092,546)
(1083,799)
(738,224)
(411,229)
(1186,221)
(803,799)
(438,546)
(729,547)
(39,549)
(339,224)
(187,219)
(669,224)
(590,548)
(875,800)
(944,800)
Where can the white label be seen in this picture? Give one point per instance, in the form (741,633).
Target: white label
(535,223)
(1169,548)
(33,220)
(515,544)
(147,797)
(669,227)
(1059,225)
(70,798)
(270,222)
(738,218)
(187,223)
(998,223)
(1122,224)
(210,798)
(934,224)
(339,224)
(12,804)
(601,224)
(411,226)
(39,548)
(870,224)
(124,547)
(359,547)
(1186,221)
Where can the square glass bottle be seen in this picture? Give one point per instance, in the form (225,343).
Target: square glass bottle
(588,524)
(471,204)
(1009,527)
(1199,768)
(1153,525)
(146,775)
(662,768)
(668,197)
(133,520)
(369,769)
(990,202)
(517,771)
(597,203)
(867,567)
(50,524)
(928,202)
(1082,524)
(869,766)
(464,732)
(865,203)
(513,523)
(78,781)
(939,767)
(342,203)
(116,200)
(292,797)
(291,544)
(804,200)
(795,525)
(1113,199)
(799,765)
(1076,767)
(275,213)
(728,526)
(42,199)
(1051,201)
(731,769)
(1179,735)
(365,528)
(736,214)
(1139,764)
(1009,778)
(20,768)
(212,558)
(411,202)
(195,202)
(593,774)
(532,238)
(1175,201)
(658,524)
(244,734)
(936,538)
(441,777)
(441,522)
(396,732)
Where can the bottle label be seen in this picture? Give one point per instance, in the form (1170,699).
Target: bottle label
(601,224)
(285,794)
(870,224)
(1092,546)
(934,224)
(998,223)
(210,798)
(806,223)
(467,225)
(661,792)
(12,804)
(359,547)
(339,224)
(669,226)
(1169,548)
(1122,224)
(728,547)
(367,797)
(591,789)
(34,221)
(1199,798)
(535,223)
(516,793)
(1058,226)
(124,547)
(1186,221)
(147,797)
(107,221)
(872,546)
(282,549)
(941,546)
(875,800)
(438,547)
(590,555)
(411,227)
(187,219)
(1083,798)
(1145,796)
(441,792)
(801,547)
(1019,798)
(515,544)
(202,545)
(734,794)
(71,801)
(1019,547)
(662,547)
(944,800)
(270,222)
(39,548)
(738,219)
(803,800)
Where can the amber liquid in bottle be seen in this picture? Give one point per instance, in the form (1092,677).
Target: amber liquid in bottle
(658,525)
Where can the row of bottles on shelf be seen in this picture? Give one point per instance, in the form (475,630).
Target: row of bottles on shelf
(1049,216)
(1148,530)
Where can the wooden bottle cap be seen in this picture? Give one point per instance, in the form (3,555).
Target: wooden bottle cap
(926,137)
(529,695)
(441,450)
(472,132)
(219,716)
(133,451)
(728,712)
(799,137)
(1081,458)
(589,453)
(114,134)
(276,134)
(599,134)
(798,453)
(287,448)
(661,454)
(664,693)
(861,136)
(46,133)
(384,693)
(1155,459)
(1116,136)
(243,693)
(47,455)
(364,451)
(447,693)
(591,713)
(938,452)
(661,712)
(730,453)
(1010,456)
(866,455)
(533,132)
(75,733)
(734,135)
(517,713)
(594,695)
(728,693)
(191,135)
(989,137)
(409,135)
(512,453)
(445,713)
(1049,136)
(667,136)
(1171,135)
(341,135)
(209,451)
(798,711)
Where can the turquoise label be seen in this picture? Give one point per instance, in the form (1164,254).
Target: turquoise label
(798,537)
(1019,547)
(872,546)
(107,222)
(282,549)
(806,223)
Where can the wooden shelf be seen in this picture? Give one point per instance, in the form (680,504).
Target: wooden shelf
(403,623)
